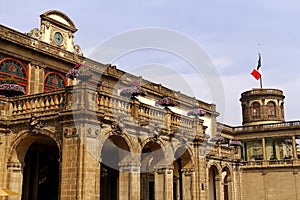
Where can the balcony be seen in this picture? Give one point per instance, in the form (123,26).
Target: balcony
(269,163)
(99,103)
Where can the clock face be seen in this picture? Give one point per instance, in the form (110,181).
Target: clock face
(58,38)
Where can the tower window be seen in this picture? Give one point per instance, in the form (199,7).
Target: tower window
(271,109)
(255,109)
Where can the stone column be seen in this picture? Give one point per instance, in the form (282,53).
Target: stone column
(295,157)
(187,183)
(163,180)
(168,118)
(129,181)
(263,142)
(218,184)
(15,178)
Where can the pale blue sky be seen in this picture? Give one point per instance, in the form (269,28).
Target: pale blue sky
(229,31)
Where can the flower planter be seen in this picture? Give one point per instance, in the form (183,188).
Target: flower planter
(133,90)
(80,72)
(217,139)
(206,136)
(10,88)
(235,143)
(196,112)
(166,101)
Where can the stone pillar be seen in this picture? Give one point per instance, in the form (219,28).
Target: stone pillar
(70,166)
(263,142)
(218,184)
(124,184)
(187,183)
(163,180)
(168,118)
(15,178)
(135,109)
(295,157)
(129,181)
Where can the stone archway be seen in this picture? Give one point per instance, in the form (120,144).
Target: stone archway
(153,168)
(34,168)
(118,174)
(227,184)
(182,174)
(213,183)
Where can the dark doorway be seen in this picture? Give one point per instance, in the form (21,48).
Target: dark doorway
(109,183)
(41,171)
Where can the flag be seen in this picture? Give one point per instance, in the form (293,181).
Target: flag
(255,73)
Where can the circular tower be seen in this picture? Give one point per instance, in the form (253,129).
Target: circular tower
(262,106)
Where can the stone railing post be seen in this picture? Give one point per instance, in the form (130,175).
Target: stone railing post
(168,118)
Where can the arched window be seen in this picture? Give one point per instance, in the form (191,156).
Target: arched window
(12,68)
(255,109)
(54,81)
(271,109)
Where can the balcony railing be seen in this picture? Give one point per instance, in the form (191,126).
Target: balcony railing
(270,163)
(100,101)
(44,102)
(264,127)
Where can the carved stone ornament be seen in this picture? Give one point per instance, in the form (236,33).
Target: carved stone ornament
(77,50)
(156,131)
(35,33)
(118,126)
(35,125)
(70,132)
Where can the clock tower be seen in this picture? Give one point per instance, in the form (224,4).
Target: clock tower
(58,30)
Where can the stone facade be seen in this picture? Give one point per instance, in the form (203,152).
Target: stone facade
(80,139)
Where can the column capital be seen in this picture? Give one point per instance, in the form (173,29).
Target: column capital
(160,169)
(133,166)
(187,172)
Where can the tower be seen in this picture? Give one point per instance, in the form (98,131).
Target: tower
(262,106)
(58,30)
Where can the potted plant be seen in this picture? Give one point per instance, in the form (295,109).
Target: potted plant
(217,139)
(196,112)
(206,136)
(166,101)
(134,89)
(235,143)
(79,71)
(10,88)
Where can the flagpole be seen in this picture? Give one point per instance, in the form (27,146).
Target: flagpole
(259,55)
(260,82)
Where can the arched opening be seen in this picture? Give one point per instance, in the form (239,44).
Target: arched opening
(271,109)
(53,81)
(181,174)
(226,183)
(15,69)
(152,154)
(114,151)
(256,110)
(41,170)
(213,178)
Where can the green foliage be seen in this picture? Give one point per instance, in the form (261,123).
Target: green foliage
(8,81)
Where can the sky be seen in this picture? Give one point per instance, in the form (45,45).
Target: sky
(230,33)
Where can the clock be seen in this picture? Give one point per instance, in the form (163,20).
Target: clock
(58,38)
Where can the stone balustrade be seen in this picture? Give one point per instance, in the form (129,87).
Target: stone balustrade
(270,163)
(36,103)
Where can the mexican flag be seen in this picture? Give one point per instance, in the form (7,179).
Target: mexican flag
(256,73)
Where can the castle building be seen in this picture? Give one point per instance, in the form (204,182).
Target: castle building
(73,128)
